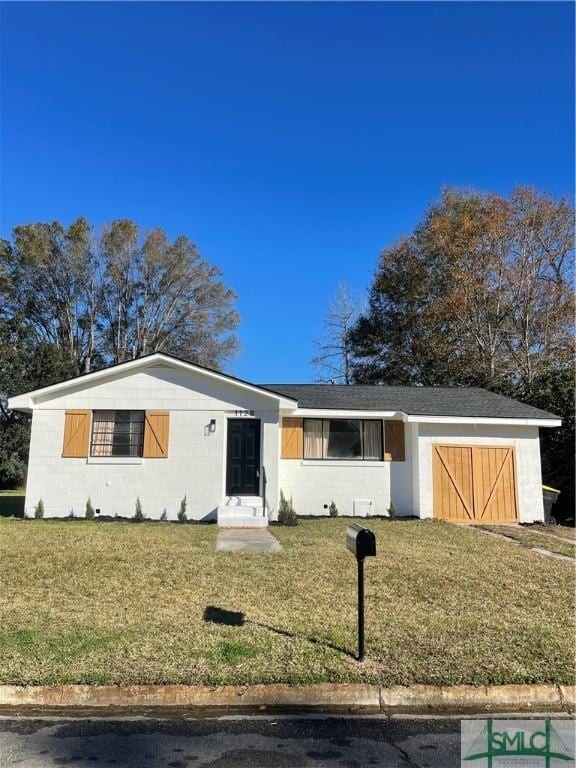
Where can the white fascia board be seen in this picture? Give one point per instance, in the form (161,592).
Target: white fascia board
(484,420)
(26,401)
(329,413)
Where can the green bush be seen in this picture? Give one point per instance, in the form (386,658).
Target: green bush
(164,515)
(182,516)
(138,514)
(333,509)
(391,510)
(286,511)
(39,510)
(90,513)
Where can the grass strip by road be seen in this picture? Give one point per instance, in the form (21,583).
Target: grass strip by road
(124,603)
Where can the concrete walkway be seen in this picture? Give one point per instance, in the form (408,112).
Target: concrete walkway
(246,540)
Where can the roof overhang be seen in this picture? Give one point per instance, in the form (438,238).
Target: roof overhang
(28,400)
(331,413)
(484,420)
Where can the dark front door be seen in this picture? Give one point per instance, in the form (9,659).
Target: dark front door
(243,458)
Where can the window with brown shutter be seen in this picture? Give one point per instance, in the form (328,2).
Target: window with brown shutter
(156,433)
(76,434)
(394,449)
(292,438)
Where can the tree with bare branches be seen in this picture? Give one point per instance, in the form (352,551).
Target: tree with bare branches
(333,356)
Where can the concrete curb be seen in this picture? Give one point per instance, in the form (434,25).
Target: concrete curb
(470,698)
(416,699)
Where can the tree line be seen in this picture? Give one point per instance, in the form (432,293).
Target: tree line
(74,299)
(479,294)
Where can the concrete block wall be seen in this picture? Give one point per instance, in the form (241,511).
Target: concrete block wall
(525,440)
(195,466)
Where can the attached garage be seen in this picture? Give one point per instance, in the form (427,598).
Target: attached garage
(475,484)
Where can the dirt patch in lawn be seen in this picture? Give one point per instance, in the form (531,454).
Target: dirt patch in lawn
(123,603)
(559,531)
(530,537)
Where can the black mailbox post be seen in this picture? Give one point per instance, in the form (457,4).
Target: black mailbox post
(362,543)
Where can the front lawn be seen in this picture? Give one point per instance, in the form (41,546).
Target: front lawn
(128,603)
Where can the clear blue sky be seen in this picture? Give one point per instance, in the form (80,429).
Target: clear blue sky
(291,142)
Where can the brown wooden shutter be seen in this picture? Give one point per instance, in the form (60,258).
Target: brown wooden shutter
(292,438)
(76,434)
(156,430)
(394,441)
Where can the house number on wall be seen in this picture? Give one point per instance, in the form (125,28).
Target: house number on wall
(244,413)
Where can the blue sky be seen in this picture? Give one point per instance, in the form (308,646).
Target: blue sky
(291,142)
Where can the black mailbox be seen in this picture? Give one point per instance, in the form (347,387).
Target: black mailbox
(360,541)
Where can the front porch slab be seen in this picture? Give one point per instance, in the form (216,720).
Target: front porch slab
(246,540)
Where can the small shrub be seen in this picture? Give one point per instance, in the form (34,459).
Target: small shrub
(182,516)
(71,515)
(333,509)
(39,510)
(90,513)
(164,515)
(391,510)
(138,514)
(286,511)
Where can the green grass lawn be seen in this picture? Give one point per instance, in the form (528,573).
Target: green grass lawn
(531,538)
(125,603)
(12,503)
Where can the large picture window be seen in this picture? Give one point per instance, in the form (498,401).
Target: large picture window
(356,439)
(117,433)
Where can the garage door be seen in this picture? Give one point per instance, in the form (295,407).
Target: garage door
(474,484)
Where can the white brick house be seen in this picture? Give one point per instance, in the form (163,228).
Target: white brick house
(159,428)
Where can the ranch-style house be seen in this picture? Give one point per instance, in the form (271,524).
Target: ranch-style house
(159,429)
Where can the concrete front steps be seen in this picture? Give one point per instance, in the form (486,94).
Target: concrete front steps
(242,512)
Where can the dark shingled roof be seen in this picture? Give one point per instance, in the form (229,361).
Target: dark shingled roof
(416,401)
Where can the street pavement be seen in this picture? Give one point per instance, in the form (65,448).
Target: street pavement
(230,742)
(256,742)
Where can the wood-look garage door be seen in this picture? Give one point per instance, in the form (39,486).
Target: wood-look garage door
(474,484)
